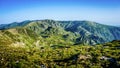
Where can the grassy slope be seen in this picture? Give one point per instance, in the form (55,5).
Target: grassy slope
(90,32)
(60,56)
(20,49)
(48,45)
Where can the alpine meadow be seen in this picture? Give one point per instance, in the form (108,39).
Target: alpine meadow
(59,34)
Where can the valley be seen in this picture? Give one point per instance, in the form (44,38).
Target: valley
(59,44)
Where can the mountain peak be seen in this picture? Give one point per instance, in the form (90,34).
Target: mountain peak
(89,32)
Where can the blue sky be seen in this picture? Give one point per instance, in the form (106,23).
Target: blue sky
(101,11)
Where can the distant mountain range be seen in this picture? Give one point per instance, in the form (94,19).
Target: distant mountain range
(72,32)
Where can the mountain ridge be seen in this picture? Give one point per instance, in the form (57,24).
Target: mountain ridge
(85,32)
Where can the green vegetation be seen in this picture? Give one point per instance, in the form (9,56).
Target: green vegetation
(59,44)
(86,32)
(59,56)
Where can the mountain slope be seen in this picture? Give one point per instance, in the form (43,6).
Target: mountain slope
(99,56)
(78,32)
(90,30)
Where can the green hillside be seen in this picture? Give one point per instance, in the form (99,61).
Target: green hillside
(59,44)
(85,32)
(58,56)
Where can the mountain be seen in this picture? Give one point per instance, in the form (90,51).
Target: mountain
(76,32)
(13,25)
(93,32)
(59,44)
(57,56)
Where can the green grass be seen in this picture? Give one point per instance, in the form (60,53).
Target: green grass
(58,56)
